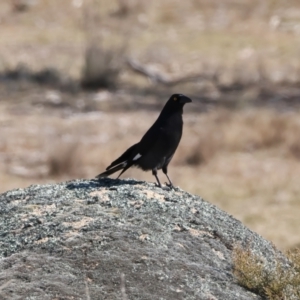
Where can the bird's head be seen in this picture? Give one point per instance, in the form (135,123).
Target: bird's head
(179,99)
(176,102)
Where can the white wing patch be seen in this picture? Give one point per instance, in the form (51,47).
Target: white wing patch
(137,156)
(124,164)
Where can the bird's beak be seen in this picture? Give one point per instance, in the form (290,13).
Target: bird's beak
(184,99)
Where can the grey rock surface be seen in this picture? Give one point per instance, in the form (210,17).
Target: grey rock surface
(118,239)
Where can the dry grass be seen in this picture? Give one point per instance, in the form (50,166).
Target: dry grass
(245,131)
(102,67)
(249,168)
(248,42)
(294,257)
(64,159)
(274,283)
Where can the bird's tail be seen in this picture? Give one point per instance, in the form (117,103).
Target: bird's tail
(120,163)
(111,171)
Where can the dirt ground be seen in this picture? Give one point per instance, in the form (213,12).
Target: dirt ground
(241,147)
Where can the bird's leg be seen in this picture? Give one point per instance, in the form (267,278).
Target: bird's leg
(170,184)
(154,172)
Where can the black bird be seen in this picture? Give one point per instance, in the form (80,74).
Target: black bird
(157,147)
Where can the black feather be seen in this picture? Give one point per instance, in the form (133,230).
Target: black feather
(158,145)
(124,157)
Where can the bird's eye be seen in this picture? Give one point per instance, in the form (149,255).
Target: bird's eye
(175,98)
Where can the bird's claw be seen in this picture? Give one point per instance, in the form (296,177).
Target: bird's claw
(170,186)
(167,187)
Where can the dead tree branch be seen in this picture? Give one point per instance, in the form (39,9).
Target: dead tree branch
(156,77)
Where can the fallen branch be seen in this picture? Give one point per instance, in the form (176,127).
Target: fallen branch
(156,77)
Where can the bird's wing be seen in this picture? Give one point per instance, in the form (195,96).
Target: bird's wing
(154,135)
(130,152)
(148,140)
(156,139)
(134,152)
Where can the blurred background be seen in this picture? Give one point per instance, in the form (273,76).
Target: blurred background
(82,80)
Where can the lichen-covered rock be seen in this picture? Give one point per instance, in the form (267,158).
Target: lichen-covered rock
(118,239)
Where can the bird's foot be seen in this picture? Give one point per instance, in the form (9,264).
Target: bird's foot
(170,186)
(166,188)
